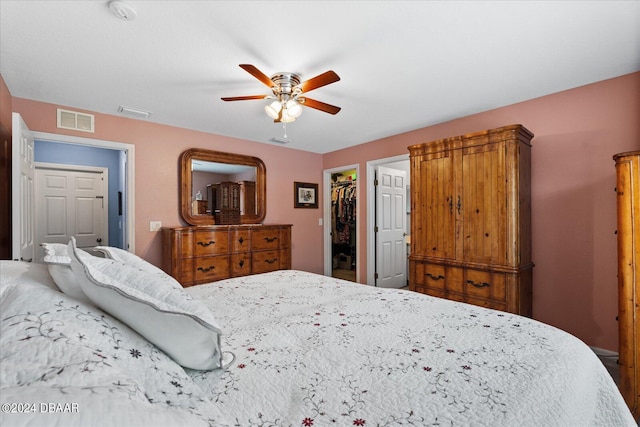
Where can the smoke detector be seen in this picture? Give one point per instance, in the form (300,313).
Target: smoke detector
(123,10)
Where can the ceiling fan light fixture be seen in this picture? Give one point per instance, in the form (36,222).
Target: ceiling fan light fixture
(287,118)
(273,109)
(293,109)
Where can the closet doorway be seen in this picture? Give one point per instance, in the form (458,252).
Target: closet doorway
(340,222)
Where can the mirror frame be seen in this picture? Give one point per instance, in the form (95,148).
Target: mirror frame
(220,157)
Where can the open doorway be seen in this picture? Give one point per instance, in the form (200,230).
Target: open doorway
(122,180)
(340,222)
(343,224)
(59,156)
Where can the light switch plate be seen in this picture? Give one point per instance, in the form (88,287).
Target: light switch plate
(155,225)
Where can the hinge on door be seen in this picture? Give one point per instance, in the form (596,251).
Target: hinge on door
(375,182)
(375,276)
(375,229)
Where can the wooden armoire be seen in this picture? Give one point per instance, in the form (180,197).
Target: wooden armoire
(471,219)
(628,232)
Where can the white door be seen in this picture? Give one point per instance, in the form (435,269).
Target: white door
(71,201)
(391,223)
(22,194)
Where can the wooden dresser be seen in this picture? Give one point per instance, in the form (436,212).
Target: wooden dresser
(471,219)
(202,254)
(628,208)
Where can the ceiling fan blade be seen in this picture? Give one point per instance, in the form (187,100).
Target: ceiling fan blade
(323,79)
(244,98)
(257,74)
(327,108)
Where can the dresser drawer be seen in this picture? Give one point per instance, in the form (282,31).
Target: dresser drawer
(240,240)
(265,239)
(240,264)
(264,261)
(212,268)
(211,242)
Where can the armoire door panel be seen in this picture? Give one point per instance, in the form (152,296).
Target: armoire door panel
(434,225)
(483,213)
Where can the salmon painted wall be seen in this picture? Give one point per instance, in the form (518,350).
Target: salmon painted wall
(5,105)
(157,151)
(573,202)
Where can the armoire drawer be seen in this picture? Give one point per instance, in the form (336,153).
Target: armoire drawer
(484,284)
(428,276)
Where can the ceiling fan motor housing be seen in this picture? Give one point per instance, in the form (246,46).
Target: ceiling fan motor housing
(285,83)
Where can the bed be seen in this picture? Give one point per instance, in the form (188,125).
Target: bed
(285,348)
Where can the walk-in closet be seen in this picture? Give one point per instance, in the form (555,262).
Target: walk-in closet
(343,224)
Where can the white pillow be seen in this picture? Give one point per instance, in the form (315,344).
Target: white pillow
(181,326)
(57,258)
(133,260)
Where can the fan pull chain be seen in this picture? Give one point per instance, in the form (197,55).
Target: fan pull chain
(284,126)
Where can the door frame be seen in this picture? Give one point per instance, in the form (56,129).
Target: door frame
(371,212)
(326,185)
(129,151)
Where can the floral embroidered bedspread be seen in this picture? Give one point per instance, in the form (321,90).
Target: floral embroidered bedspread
(309,351)
(316,351)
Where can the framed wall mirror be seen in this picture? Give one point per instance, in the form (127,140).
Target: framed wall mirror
(201,170)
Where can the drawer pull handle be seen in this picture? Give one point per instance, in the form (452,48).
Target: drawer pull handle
(241,263)
(271,261)
(270,239)
(205,244)
(241,240)
(431,276)
(478,285)
(206,269)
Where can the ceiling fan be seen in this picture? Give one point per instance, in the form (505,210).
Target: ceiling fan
(289,93)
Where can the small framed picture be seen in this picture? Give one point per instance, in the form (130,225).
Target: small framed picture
(305,195)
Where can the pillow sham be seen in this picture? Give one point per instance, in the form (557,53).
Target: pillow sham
(181,326)
(57,259)
(134,260)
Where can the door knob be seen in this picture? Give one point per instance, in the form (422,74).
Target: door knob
(99,240)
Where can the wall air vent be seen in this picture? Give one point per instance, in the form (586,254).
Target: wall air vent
(76,121)
(134,112)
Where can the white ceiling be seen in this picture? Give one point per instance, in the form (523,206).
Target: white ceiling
(403,65)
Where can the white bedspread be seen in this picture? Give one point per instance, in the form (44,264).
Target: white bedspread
(309,351)
(315,351)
